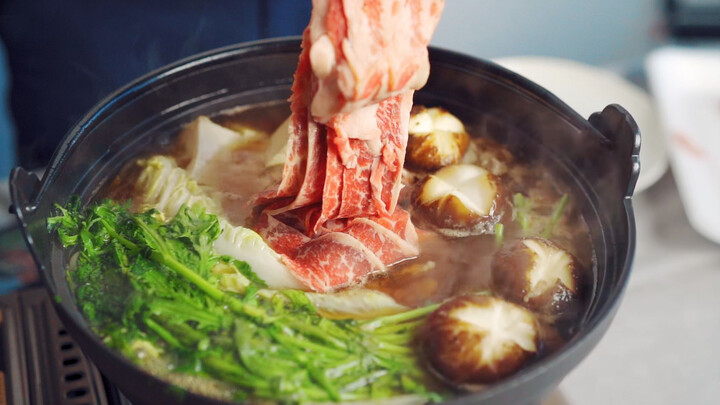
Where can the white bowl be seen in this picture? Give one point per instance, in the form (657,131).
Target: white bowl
(588,89)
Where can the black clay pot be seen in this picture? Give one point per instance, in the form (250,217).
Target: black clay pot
(598,157)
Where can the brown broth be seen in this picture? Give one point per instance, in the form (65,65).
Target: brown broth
(236,176)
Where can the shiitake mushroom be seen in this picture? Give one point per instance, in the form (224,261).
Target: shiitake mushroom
(540,275)
(436,139)
(480,339)
(460,200)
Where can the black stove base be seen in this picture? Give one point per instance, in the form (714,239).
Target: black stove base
(39,361)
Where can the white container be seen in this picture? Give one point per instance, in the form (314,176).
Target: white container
(588,89)
(686,85)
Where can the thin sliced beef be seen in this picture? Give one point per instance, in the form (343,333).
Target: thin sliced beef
(334,216)
(334,260)
(305,161)
(364,51)
(346,252)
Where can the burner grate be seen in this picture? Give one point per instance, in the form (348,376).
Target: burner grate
(40,363)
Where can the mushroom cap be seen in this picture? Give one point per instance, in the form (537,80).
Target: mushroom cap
(538,274)
(480,339)
(436,139)
(460,200)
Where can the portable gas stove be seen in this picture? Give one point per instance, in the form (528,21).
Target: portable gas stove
(39,361)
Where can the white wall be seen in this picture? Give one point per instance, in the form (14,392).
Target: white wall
(593,31)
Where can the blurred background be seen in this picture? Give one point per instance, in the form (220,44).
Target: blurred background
(606,32)
(63,56)
(60,57)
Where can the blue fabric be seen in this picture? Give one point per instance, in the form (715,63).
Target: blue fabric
(65,55)
(7,140)
(9,284)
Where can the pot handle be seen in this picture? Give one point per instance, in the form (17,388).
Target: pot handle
(24,189)
(619,127)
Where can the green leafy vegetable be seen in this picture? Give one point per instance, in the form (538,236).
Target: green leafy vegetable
(142,282)
(521,211)
(556,215)
(499,233)
(245,270)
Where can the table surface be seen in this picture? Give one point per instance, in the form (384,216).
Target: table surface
(664,345)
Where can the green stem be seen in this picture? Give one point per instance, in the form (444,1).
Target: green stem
(190,276)
(234,304)
(269,366)
(188,335)
(364,381)
(557,213)
(307,344)
(233,372)
(320,377)
(163,333)
(239,306)
(499,233)
(187,311)
(402,327)
(315,331)
(125,242)
(391,361)
(343,369)
(395,339)
(393,348)
(371,325)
